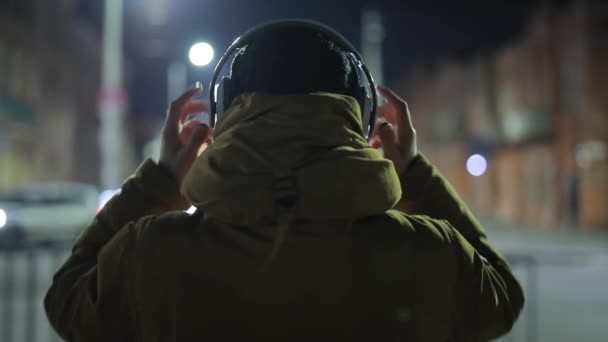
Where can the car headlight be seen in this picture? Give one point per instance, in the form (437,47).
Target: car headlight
(3,218)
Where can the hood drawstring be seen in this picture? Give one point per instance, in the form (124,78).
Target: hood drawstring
(284,192)
(285,198)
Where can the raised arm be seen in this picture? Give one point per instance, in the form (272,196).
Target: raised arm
(488,296)
(91,298)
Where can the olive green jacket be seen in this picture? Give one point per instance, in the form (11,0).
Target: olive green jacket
(144,270)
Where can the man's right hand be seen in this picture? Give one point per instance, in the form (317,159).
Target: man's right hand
(394,132)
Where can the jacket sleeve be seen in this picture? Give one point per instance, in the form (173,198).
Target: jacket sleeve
(91,293)
(488,297)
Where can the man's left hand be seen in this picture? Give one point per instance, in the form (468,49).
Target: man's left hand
(181,145)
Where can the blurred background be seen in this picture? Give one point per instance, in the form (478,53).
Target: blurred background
(509,100)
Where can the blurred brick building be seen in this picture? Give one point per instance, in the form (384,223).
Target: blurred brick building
(50,65)
(536,110)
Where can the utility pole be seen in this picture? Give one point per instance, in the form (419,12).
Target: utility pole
(112,140)
(372,36)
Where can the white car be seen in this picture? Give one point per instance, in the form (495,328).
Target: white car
(46,212)
(107,195)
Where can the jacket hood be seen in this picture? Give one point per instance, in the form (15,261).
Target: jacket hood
(309,146)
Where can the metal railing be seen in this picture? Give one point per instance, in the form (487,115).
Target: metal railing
(527,268)
(25,276)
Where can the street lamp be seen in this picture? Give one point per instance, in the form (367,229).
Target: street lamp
(112,139)
(201,54)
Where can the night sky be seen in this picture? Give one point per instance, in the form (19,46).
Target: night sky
(417,32)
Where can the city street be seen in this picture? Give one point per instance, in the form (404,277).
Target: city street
(506,99)
(567,301)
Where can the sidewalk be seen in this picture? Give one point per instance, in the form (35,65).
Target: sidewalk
(558,245)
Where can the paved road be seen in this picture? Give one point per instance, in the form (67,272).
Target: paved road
(571,287)
(568,294)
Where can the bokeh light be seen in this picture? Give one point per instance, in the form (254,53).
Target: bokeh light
(477,165)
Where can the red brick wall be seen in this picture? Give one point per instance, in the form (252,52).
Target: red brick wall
(539,100)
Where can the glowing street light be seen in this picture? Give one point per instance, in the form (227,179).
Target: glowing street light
(201,54)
